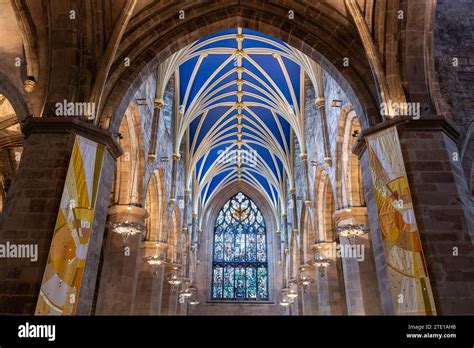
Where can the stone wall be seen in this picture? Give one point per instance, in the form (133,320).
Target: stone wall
(453,39)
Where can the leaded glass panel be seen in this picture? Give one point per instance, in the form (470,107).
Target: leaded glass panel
(239,268)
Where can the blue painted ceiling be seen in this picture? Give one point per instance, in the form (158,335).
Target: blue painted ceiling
(239,87)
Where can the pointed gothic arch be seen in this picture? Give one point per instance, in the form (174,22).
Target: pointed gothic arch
(130,169)
(156,205)
(349,186)
(324,206)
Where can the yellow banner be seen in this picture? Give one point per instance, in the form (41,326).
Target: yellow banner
(68,252)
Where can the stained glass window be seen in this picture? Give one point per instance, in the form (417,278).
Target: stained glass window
(239,265)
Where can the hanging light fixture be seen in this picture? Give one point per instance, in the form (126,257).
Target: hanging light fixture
(128,223)
(155,261)
(320,261)
(285,300)
(304,280)
(352,232)
(174,279)
(186,293)
(291,292)
(126,227)
(193,302)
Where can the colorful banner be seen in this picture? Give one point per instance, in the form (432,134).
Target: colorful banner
(408,276)
(68,252)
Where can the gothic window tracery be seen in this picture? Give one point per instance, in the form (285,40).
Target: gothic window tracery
(239,267)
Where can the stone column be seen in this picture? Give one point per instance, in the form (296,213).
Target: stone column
(304,159)
(121,264)
(174,172)
(158,104)
(306,301)
(32,206)
(170,294)
(150,280)
(442,208)
(166,292)
(328,281)
(295,209)
(321,105)
(360,278)
(322,282)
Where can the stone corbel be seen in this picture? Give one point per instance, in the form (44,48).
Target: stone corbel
(352,215)
(150,248)
(130,213)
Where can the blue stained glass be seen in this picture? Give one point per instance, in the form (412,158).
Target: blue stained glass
(251,244)
(228,282)
(217,281)
(240,282)
(240,252)
(262,282)
(261,252)
(251,282)
(228,244)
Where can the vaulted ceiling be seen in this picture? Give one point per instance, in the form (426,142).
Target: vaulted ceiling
(241,94)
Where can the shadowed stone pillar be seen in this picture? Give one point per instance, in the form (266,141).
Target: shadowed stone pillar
(150,280)
(360,278)
(330,287)
(174,173)
(444,211)
(306,301)
(322,282)
(119,275)
(32,205)
(313,294)
(169,304)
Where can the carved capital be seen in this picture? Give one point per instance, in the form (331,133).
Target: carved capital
(158,103)
(320,102)
(29,85)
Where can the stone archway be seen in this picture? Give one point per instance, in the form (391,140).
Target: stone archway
(321,40)
(330,281)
